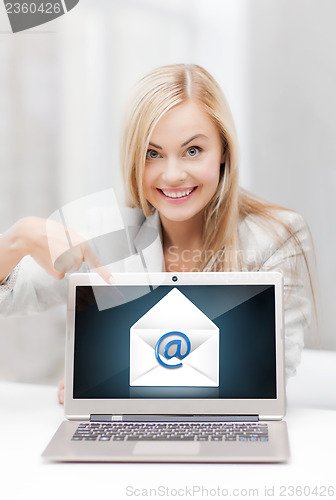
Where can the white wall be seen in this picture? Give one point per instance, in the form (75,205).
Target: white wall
(292,109)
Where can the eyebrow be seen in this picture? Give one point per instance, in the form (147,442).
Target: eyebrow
(182,145)
(192,139)
(155,145)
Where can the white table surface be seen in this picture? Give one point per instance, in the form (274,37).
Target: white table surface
(30,414)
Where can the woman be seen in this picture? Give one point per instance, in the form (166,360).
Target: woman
(180,163)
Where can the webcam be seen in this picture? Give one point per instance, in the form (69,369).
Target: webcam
(174,278)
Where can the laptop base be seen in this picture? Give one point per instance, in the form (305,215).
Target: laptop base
(63,449)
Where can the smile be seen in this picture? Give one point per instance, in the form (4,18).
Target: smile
(177,193)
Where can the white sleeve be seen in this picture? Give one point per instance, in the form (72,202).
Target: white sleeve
(29,289)
(297,266)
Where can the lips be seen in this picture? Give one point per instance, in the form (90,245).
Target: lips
(177,194)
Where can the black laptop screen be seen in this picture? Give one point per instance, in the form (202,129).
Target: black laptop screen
(176,342)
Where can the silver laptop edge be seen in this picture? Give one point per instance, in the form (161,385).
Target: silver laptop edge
(267,409)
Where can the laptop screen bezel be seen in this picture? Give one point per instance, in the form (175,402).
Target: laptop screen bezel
(263,408)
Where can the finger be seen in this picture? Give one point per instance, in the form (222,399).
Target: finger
(61,396)
(95,264)
(61,392)
(105,274)
(71,260)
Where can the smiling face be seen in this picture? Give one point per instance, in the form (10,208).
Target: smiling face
(183,162)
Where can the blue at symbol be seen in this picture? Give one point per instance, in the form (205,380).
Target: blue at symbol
(177,352)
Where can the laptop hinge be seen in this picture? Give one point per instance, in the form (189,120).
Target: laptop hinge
(174,418)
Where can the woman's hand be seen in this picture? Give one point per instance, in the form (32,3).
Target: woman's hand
(54,247)
(61,392)
(43,240)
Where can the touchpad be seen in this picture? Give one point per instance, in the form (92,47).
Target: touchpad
(166,448)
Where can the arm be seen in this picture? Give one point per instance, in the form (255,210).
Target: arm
(35,284)
(297,266)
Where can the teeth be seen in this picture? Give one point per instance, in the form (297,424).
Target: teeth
(177,194)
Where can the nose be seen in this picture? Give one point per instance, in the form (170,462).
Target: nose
(174,172)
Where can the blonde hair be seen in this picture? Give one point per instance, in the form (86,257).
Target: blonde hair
(154,95)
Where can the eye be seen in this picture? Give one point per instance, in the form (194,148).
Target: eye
(193,151)
(152,154)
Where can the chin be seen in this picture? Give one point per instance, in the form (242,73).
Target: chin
(178,216)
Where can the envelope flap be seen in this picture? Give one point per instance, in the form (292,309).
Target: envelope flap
(175,312)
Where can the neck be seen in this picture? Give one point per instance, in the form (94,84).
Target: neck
(183,234)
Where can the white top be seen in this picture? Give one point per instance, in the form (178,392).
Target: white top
(30,289)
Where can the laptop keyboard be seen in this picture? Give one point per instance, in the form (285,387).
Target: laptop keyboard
(154,431)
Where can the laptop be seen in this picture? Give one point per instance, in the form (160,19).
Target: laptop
(164,367)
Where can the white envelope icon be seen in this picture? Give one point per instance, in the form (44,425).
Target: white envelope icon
(174,344)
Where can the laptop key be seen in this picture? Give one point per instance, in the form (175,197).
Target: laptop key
(142,438)
(151,431)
